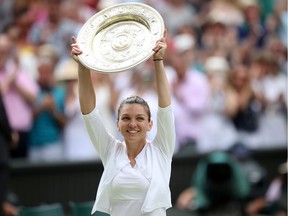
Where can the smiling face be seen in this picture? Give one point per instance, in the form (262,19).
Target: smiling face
(134,123)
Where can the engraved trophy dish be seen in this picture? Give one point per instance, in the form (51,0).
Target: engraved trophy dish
(119,37)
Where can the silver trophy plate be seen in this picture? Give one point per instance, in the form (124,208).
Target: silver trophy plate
(119,37)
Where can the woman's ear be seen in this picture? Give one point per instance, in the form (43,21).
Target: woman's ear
(117,125)
(150,125)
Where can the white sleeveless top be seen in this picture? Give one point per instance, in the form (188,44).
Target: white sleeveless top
(128,190)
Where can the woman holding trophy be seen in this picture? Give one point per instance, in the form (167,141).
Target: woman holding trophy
(135,180)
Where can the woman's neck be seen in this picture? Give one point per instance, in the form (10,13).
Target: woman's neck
(133,149)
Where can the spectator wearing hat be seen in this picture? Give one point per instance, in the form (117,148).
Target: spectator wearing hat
(49,119)
(190,93)
(77,144)
(218,35)
(253,31)
(219,10)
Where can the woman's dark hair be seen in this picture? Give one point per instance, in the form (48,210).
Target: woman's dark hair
(135,100)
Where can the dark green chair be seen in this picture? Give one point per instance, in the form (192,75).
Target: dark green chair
(84,209)
(54,209)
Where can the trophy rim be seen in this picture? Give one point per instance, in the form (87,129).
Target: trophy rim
(119,37)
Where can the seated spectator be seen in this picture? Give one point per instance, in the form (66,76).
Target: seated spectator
(218,179)
(49,119)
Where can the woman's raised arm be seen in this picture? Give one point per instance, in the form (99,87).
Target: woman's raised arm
(163,90)
(87,96)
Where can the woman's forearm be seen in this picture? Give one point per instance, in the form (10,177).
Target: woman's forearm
(87,96)
(163,90)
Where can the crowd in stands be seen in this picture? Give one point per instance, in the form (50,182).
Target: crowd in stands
(226,63)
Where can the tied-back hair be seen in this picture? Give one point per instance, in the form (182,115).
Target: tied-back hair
(134,99)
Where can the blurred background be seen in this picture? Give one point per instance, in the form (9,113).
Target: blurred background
(227,67)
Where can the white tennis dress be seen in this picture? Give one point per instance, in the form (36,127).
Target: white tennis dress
(128,190)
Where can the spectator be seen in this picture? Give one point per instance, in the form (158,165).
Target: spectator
(269,87)
(219,10)
(25,14)
(217,36)
(19,93)
(176,13)
(54,30)
(253,30)
(189,91)
(77,144)
(24,51)
(273,97)
(248,113)
(275,46)
(49,119)
(217,129)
